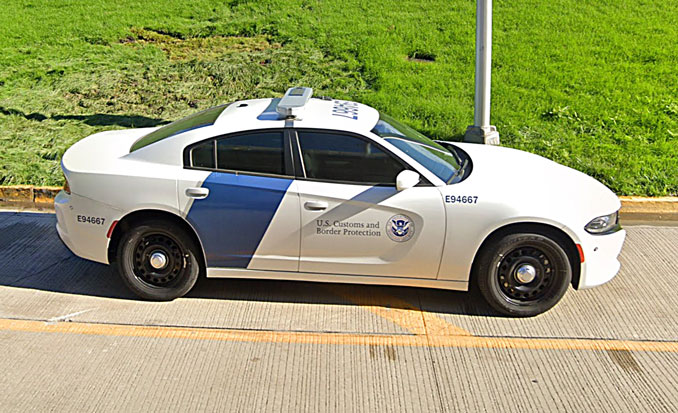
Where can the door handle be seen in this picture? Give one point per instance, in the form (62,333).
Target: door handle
(197,193)
(315,205)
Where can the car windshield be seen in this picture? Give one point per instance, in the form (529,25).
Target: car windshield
(195,121)
(434,157)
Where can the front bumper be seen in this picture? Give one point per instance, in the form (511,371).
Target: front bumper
(601,258)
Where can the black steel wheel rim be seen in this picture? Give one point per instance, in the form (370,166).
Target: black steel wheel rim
(162,243)
(525,293)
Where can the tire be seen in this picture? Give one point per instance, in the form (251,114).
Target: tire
(181,267)
(503,274)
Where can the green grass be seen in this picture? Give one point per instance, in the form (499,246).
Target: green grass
(589,85)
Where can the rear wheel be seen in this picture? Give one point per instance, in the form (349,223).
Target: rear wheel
(157,260)
(523,274)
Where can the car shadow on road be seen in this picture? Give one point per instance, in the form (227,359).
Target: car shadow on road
(97,119)
(34,258)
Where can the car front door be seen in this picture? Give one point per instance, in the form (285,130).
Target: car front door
(246,210)
(353,219)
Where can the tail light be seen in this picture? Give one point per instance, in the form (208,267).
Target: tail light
(67,187)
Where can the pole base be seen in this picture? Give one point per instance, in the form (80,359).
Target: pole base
(482,134)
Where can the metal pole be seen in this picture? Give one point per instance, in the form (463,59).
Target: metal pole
(481,131)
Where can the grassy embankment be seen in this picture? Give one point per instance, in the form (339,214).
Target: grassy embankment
(589,85)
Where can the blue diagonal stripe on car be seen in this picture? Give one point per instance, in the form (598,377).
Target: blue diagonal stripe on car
(233,219)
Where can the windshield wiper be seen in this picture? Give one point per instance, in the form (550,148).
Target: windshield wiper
(459,173)
(450,148)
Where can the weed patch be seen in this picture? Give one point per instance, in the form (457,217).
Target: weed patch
(197,48)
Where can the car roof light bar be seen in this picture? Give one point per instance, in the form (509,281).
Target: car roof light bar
(294,101)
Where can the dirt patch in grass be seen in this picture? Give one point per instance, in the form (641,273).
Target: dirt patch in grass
(421,56)
(197,48)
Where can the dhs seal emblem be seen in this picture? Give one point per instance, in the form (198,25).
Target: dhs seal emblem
(400,228)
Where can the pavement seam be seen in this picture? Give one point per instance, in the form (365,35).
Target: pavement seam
(429,348)
(209,328)
(267,336)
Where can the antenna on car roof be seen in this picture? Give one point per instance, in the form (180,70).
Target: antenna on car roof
(293,102)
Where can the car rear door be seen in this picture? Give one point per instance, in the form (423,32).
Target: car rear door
(353,220)
(246,210)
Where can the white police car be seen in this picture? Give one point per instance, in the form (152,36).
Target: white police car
(333,191)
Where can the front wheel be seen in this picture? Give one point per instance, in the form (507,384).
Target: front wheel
(157,260)
(523,274)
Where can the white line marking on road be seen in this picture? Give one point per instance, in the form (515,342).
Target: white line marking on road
(66,317)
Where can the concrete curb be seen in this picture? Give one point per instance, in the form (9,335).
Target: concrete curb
(649,209)
(633,208)
(28,197)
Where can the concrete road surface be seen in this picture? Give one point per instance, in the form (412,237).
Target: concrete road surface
(72,338)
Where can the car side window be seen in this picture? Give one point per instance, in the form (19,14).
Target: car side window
(202,155)
(345,158)
(260,152)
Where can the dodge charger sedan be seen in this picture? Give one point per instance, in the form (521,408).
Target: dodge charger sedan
(316,189)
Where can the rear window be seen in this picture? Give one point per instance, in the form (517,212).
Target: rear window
(202,156)
(195,121)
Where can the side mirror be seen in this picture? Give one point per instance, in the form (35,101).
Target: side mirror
(406,180)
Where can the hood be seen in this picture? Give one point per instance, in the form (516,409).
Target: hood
(535,184)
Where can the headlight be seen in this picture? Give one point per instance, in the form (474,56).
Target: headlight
(603,224)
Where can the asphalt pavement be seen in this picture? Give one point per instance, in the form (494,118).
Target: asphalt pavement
(72,338)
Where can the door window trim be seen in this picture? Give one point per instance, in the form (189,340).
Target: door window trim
(301,169)
(288,164)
